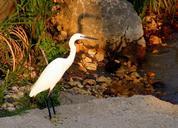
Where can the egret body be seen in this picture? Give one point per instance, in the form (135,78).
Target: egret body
(56,69)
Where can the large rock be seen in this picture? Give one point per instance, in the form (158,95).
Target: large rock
(121,24)
(114,22)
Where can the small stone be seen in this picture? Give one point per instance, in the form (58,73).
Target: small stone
(10,100)
(104,79)
(76,84)
(23,88)
(142,42)
(11,109)
(151,74)
(64,34)
(33,74)
(120,72)
(135,75)
(89,82)
(15,88)
(91,66)
(82,67)
(80,91)
(15,96)
(8,106)
(92,52)
(155,51)
(81,47)
(83,56)
(87,60)
(4,106)
(100,56)
(20,94)
(155,40)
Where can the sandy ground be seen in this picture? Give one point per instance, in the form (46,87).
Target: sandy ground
(120,112)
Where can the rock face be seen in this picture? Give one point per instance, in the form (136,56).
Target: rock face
(114,22)
(121,24)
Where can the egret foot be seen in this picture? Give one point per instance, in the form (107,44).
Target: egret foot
(52,104)
(49,104)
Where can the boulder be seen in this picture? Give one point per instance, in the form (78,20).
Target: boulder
(114,22)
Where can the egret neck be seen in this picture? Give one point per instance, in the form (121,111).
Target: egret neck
(73,50)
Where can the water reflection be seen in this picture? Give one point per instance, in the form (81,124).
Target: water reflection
(165,65)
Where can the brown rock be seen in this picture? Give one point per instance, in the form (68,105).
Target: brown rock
(91,82)
(104,79)
(81,67)
(100,55)
(87,60)
(15,88)
(76,84)
(91,66)
(92,52)
(155,40)
(81,47)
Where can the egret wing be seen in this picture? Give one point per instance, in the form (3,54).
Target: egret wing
(50,76)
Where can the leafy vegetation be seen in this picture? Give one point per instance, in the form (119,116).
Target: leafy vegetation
(157,6)
(25,44)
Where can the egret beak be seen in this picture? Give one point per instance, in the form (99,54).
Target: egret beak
(91,38)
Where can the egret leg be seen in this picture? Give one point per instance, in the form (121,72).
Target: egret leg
(48,107)
(52,104)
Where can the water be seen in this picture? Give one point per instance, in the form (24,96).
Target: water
(165,65)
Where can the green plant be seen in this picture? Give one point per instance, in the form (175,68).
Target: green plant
(52,49)
(157,6)
(21,35)
(42,97)
(6,113)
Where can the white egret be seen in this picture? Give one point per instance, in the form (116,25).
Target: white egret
(55,70)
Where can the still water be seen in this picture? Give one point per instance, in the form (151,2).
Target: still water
(165,65)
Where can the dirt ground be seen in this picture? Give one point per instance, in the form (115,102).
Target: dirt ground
(118,112)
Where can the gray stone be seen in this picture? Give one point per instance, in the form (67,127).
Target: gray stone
(113,22)
(10,100)
(121,24)
(11,109)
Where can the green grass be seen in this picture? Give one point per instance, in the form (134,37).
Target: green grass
(32,16)
(5,113)
(156,6)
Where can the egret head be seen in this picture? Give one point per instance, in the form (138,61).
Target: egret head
(79,36)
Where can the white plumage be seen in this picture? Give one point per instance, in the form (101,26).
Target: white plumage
(50,76)
(56,69)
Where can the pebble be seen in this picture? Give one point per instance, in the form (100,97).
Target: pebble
(104,79)
(9,100)
(91,66)
(15,88)
(11,109)
(76,84)
(91,82)
(99,56)
(92,52)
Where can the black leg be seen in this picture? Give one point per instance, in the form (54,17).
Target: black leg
(52,104)
(47,104)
